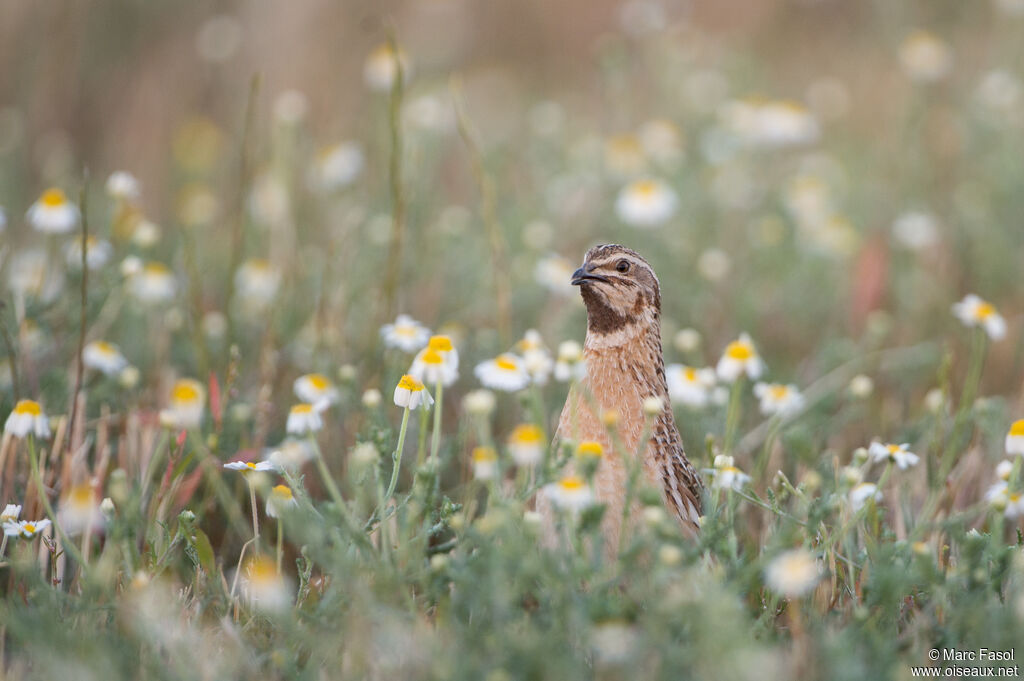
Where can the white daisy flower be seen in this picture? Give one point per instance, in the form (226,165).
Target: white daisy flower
(770,124)
(916,230)
(661,141)
(861,493)
(98,253)
(726,475)
(780,399)
(411,393)
(30,274)
(973,311)
(898,454)
(526,445)
(1002,499)
(304,418)
(104,357)
(154,283)
(257,282)
(690,386)
(1015,438)
(11,513)
(506,372)
(52,213)
(436,363)
(291,107)
(554,273)
(536,359)
(1003,469)
(290,455)
(624,155)
(570,365)
(26,529)
(337,167)
(280,501)
(406,334)
(571,493)
(186,405)
(479,402)
(485,463)
(313,388)
(646,203)
(123,186)
(264,586)
(80,509)
(27,417)
(740,357)
(250,466)
(924,57)
(793,573)
(382,66)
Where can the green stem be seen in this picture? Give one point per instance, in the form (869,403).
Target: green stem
(325,475)
(421,446)
(435,439)
(732,418)
(41,490)
(255,512)
(280,544)
(396,460)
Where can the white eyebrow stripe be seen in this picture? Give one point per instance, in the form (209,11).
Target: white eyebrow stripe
(621,256)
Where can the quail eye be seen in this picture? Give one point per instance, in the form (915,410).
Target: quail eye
(622,266)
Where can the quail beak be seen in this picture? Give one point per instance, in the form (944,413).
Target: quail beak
(581,276)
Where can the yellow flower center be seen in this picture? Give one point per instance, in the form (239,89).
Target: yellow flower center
(185,391)
(259,264)
(318,381)
(739,350)
(527,433)
(1017,428)
(262,569)
(484,455)
(432,356)
(303,408)
(590,448)
(30,528)
(624,144)
(985,310)
(893,448)
(53,198)
(645,188)
(572,483)
(410,383)
(690,374)
(81,495)
(729,469)
(440,343)
(282,492)
(105,347)
(30,407)
(156,269)
(251,465)
(506,363)
(779,392)
(405,330)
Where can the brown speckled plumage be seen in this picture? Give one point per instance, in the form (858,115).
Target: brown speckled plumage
(624,367)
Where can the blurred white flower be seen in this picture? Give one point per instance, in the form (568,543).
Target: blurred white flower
(25,529)
(646,203)
(104,357)
(257,283)
(153,284)
(861,386)
(641,18)
(506,372)
(1000,96)
(624,155)
(291,107)
(123,186)
(479,402)
(304,418)
(1015,438)
(862,492)
(973,311)
(536,359)
(27,417)
(250,466)
(740,357)
(382,66)
(412,394)
(662,141)
(97,253)
(769,124)
(11,513)
(777,398)
(405,333)
(186,405)
(485,463)
(570,365)
(265,587)
(30,274)
(337,167)
(290,455)
(269,202)
(571,493)
(1004,469)
(793,573)
(934,400)
(554,273)
(690,386)
(436,363)
(80,509)
(924,57)
(430,113)
(526,445)
(725,474)
(714,264)
(219,38)
(52,213)
(687,340)
(898,454)
(372,398)
(313,388)
(280,501)
(916,230)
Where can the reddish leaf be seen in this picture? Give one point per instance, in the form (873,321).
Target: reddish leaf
(215,405)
